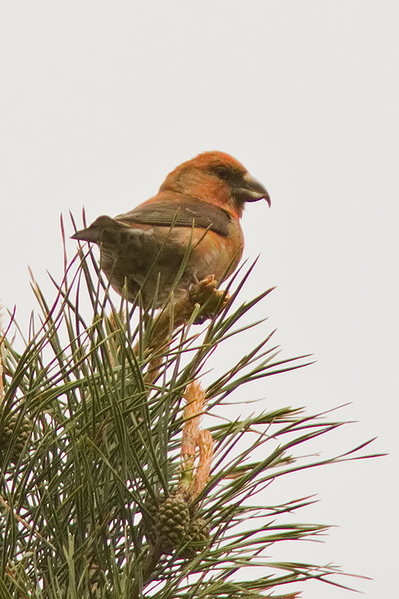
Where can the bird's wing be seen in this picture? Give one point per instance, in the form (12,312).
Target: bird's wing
(183,211)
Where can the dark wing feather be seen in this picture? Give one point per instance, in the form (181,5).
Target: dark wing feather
(183,213)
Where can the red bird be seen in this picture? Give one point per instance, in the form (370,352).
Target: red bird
(186,232)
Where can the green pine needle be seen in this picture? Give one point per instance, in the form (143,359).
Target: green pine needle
(104,439)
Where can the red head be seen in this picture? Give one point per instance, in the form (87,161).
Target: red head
(217,178)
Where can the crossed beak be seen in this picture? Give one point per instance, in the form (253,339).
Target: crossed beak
(251,190)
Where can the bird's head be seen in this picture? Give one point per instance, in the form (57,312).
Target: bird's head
(217,178)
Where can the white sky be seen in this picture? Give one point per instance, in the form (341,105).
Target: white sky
(100,100)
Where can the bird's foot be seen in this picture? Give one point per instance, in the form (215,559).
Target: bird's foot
(211,299)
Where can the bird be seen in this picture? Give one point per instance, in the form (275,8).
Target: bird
(188,231)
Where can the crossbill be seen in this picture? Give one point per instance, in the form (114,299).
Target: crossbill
(188,231)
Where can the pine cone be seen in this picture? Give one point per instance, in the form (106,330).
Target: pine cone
(197,537)
(172,522)
(7,432)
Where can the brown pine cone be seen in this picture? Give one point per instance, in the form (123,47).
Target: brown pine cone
(197,537)
(172,523)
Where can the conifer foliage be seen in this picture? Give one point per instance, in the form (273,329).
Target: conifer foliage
(117,478)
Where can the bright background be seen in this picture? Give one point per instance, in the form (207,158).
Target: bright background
(100,100)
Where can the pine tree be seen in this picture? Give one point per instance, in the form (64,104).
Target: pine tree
(117,480)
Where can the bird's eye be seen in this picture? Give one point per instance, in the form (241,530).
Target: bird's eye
(222,172)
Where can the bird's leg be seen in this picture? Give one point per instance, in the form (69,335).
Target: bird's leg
(204,294)
(209,297)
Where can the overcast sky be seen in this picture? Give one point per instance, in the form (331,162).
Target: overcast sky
(100,100)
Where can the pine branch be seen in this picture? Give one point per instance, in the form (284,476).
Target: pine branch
(101,441)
